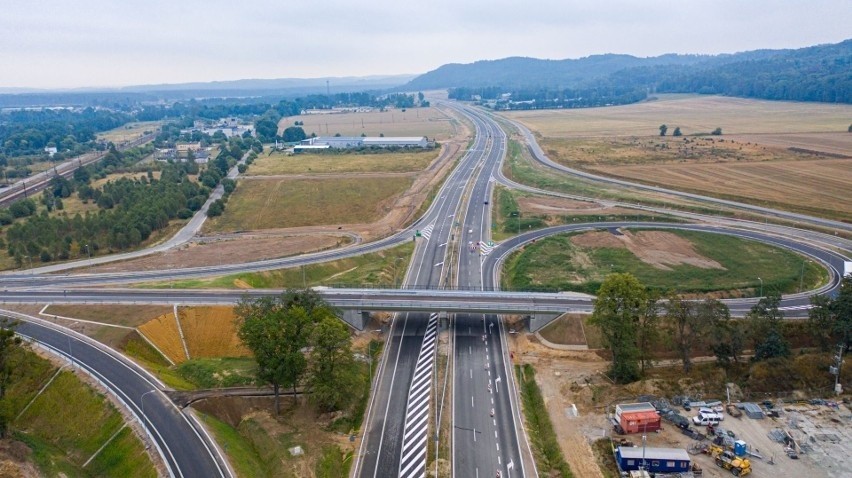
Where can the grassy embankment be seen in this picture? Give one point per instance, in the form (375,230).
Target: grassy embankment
(545,445)
(554,264)
(385,268)
(67,424)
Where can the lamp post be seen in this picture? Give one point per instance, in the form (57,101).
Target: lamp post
(761,286)
(802,277)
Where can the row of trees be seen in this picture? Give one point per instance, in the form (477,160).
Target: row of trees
(298,340)
(635,323)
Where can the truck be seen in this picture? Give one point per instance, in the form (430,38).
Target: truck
(727,460)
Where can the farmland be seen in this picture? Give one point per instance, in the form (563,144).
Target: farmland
(391,162)
(129,132)
(778,154)
(693,113)
(280,203)
(430,122)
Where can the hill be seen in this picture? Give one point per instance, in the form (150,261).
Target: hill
(817,73)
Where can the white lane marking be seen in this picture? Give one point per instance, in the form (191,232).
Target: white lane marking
(495,436)
(471,401)
(442,245)
(498,456)
(492,400)
(471,373)
(439,264)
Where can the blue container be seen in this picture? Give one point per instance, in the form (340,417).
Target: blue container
(739,448)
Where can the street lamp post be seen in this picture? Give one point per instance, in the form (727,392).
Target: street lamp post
(761,286)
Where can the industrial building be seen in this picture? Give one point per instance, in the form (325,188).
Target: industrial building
(654,460)
(348,142)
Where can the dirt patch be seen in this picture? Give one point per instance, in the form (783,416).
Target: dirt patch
(15,459)
(231,249)
(659,249)
(547,205)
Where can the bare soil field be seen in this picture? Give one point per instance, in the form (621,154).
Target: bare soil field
(126,315)
(232,249)
(659,249)
(692,113)
(818,186)
(280,203)
(391,162)
(551,205)
(430,122)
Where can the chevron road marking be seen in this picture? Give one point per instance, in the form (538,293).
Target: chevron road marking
(426,232)
(413,461)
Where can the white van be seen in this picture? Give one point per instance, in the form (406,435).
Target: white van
(705,419)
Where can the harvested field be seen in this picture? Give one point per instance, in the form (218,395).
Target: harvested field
(231,249)
(163,332)
(280,203)
(815,187)
(550,205)
(306,163)
(693,113)
(830,143)
(430,122)
(211,332)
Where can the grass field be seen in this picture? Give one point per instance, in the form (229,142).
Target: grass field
(429,122)
(129,132)
(69,422)
(558,263)
(116,314)
(390,162)
(378,269)
(693,113)
(281,203)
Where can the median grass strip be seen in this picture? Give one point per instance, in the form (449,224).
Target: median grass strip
(546,451)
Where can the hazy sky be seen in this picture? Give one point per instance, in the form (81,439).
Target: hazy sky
(72,43)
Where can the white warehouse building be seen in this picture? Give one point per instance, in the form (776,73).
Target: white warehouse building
(343,142)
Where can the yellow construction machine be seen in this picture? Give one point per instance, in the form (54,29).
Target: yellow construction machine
(728,460)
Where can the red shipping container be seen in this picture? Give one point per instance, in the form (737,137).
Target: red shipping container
(639,422)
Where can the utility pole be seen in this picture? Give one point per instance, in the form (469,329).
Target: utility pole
(835,369)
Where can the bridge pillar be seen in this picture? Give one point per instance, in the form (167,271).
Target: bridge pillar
(356,318)
(536,321)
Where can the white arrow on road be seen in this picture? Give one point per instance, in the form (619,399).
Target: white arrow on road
(496,381)
(439,264)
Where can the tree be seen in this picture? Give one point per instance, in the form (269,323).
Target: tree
(677,131)
(277,330)
(727,340)
(293,134)
(830,318)
(216,208)
(716,132)
(764,321)
(332,375)
(663,129)
(821,321)
(647,330)
(8,343)
(621,300)
(690,322)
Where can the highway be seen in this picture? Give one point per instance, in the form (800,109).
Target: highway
(183,444)
(396,426)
